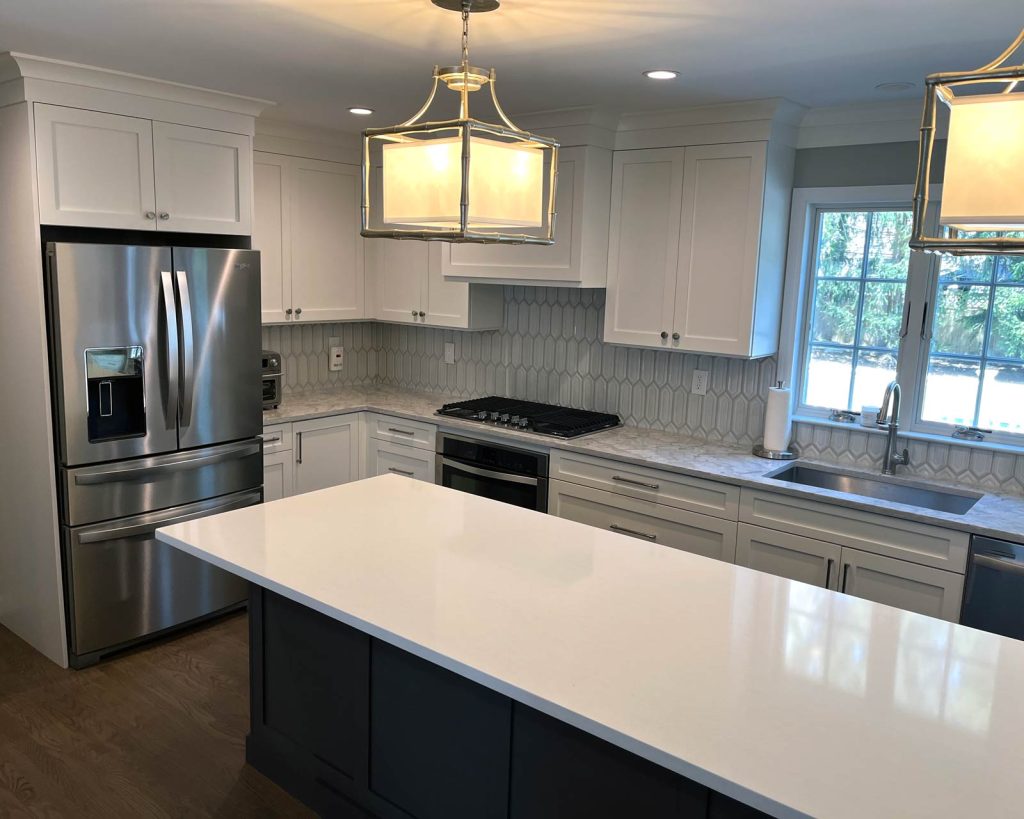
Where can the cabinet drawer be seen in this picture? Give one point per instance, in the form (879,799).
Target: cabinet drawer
(890,536)
(680,491)
(387,458)
(400,430)
(901,584)
(277,438)
(652,522)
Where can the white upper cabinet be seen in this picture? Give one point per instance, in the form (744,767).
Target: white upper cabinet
(105,170)
(326,248)
(579,256)
(306,227)
(643,247)
(697,248)
(203,179)
(94,169)
(406,284)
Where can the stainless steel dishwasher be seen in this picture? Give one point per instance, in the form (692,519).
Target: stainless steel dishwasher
(994,597)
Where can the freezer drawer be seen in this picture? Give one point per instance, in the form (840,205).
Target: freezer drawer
(108,491)
(123,584)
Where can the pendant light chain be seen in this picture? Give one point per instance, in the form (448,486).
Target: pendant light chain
(466,5)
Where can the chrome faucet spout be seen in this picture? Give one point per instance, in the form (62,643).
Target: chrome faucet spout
(891,459)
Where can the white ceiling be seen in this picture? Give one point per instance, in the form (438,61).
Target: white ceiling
(317,57)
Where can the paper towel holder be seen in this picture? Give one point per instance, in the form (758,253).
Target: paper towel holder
(776,454)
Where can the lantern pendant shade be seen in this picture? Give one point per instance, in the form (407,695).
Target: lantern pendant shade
(423,184)
(983,185)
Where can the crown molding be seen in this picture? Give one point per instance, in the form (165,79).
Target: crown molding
(895,121)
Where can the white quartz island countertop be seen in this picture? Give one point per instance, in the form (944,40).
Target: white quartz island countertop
(796,700)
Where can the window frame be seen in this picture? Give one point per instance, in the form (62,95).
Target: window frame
(921,294)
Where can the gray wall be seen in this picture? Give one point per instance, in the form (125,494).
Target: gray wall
(887,163)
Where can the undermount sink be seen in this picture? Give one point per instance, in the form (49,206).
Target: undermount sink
(956,503)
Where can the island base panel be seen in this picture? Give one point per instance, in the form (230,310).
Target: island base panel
(370,730)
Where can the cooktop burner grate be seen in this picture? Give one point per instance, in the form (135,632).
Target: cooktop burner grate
(531,416)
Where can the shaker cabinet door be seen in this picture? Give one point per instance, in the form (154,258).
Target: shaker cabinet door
(271,237)
(780,553)
(901,584)
(203,180)
(94,169)
(326,452)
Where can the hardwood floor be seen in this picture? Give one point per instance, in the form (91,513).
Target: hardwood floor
(159,732)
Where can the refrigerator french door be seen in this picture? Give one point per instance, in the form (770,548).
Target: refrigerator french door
(155,365)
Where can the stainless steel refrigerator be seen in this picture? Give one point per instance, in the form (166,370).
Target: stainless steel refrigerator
(155,369)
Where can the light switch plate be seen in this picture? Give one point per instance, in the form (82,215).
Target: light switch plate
(449,352)
(336,357)
(700,382)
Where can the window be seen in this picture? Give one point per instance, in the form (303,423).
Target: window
(857,295)
(866,312)
(975,366)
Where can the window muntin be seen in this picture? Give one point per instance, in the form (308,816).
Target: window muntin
(974,374)
(861,262)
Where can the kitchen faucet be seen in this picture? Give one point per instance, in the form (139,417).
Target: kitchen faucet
(891,459)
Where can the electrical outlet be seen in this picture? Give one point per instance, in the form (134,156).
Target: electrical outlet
(700,382)
(336,357)
(449,352)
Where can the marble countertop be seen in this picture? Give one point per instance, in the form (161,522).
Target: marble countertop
(796,700)
(995,515)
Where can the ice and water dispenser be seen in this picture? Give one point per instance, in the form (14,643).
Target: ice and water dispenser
(116,393)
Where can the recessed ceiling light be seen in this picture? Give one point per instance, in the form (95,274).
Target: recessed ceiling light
(661,74)
(894,87)
(361,112)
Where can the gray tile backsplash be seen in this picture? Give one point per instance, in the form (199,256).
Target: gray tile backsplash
(550,349)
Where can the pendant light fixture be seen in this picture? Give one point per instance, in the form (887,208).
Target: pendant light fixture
(983,183)
(459,180)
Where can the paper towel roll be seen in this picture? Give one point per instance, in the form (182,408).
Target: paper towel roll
(777,427)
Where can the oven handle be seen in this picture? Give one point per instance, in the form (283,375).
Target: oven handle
(488,473)
(1003,564)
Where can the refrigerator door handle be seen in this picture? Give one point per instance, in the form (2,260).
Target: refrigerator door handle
(187,352)
(170,316)
(135,472)
(147,524)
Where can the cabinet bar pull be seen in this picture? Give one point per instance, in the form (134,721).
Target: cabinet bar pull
(615,527)
(926,332)
(401,471)
(905,325)
(828,571)
(846,572)
(269,439)
(401,431)
(298,447)
(620,479)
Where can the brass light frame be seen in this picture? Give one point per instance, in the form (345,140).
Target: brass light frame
(463,79)
(939,88)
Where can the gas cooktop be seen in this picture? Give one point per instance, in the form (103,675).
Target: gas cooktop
(529,416)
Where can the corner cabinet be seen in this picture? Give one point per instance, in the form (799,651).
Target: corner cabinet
(405,284)
(97,169)
(327,452)
(579,256)
(697,248)
(307,230)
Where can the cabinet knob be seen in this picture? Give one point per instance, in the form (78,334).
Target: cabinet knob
(422,314)
(664,334)
(675,336)
(298,311)
(150,214)
(288,311)
(414,314)
(164,215)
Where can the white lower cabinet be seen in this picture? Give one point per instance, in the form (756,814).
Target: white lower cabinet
(278,475)
(644,520)
(385,458)
(326,452)
(780,553)
(904,585)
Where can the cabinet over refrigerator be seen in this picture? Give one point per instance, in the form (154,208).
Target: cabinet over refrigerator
(155,369)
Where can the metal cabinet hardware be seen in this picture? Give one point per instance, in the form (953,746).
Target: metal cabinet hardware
(828,571)
(164,216)
(414,314)
(905,324)
(288,311)
(150,214)
(270,439)
(298,311)
(622,529)
(846,575)
(925,329)
(621,479)
(971,433)
(298,447)
(401,431)
(422,314)
(664,334)
(405,472)
(675,336)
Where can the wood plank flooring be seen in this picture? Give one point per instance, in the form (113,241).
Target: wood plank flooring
(159,732)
